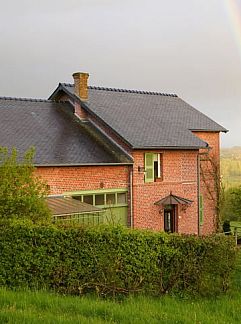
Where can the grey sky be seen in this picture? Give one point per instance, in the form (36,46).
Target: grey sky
(186,47)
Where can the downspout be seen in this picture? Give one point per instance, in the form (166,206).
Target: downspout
(131,198)
(198,192)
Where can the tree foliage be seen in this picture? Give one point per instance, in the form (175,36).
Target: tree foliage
(232,204)
(21,192)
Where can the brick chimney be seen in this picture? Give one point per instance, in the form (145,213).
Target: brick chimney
(81,85)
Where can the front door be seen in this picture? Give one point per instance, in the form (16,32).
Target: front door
(169,220)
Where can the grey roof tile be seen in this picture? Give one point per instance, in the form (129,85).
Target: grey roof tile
(148,119)
(57,135)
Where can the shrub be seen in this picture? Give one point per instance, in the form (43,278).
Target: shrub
(113,260)
(21,192)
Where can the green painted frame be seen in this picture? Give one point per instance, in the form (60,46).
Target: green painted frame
(97,192)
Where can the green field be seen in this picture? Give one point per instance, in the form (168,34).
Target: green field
(231,166)
(43,307)
(231,181)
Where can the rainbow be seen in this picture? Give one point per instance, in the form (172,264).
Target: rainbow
(234,11)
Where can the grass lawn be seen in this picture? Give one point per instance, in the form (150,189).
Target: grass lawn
(43,307)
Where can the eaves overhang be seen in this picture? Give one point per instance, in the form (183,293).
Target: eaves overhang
(222,129)
(80,164)
(170,147)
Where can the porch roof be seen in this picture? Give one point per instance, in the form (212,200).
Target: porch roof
(173,200)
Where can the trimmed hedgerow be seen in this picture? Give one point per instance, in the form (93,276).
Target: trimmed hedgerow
(113,260)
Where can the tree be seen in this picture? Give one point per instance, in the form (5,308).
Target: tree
(21,192)
(232,204)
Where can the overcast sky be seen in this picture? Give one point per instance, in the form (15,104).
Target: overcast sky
(187,47)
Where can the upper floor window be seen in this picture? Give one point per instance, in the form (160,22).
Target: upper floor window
(153,166)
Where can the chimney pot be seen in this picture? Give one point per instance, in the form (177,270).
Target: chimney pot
(81,85)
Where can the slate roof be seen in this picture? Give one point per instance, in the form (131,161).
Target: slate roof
(147,119)
(57,135)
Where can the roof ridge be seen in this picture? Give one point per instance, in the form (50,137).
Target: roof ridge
(30,99)
(67,84)
(126,90)
(25,99)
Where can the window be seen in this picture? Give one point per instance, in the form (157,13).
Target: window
(110,199)
(88,199)
(157,165)
(121,198)
(201,209)
(152,166)
(103,198)
(99,199)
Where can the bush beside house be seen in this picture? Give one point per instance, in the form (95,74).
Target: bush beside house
(22,194)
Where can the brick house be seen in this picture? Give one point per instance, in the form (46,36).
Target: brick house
(143,159)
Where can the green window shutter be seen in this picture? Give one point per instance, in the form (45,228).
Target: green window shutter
(201,209)
(149,167)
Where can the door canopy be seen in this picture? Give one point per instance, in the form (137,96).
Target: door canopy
(173,200)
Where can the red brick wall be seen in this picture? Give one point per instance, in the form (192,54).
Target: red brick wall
(62,179)
(180,177)
(79,111)
(209,175)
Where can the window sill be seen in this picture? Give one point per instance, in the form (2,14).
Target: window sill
(158,180)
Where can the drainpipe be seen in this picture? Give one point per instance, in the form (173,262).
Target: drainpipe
(131,198)
(198,192)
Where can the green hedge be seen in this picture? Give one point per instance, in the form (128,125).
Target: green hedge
(113,260)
